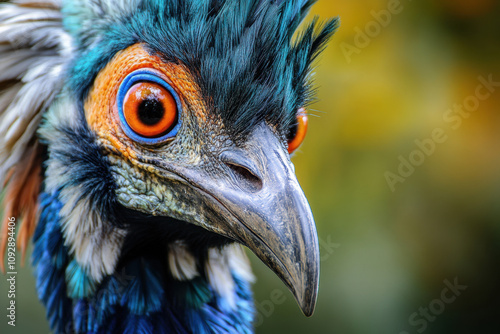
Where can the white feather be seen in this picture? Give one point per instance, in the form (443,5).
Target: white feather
(95,244)
(7,97)
(181,262)
(239,262)
(219,275)
(222,264)
(33,49)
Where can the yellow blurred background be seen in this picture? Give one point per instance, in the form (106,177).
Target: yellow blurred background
(391,250)
(386,254)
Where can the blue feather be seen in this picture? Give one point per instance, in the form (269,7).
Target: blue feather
(135,294)
(79,315)
(135,324)
(49,265)
(144,294)
(79,284)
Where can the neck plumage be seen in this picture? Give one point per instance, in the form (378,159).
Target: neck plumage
(150,292)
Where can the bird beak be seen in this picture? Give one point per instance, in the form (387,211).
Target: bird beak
(260,204)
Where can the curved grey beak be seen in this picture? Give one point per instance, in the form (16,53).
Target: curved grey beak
(261,205)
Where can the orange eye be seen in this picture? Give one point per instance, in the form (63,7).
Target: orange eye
(298,131)
(149,109)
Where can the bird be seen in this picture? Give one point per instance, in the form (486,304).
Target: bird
(144,144)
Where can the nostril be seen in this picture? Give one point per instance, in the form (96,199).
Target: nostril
(243,169)
(245,177)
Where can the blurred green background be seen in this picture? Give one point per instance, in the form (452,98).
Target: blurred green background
(387,254)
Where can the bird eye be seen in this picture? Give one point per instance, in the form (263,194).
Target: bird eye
(148,108)
(297,131)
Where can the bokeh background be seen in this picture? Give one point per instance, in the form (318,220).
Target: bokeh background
(386,254)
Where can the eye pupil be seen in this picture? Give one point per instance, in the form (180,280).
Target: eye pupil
(150,111)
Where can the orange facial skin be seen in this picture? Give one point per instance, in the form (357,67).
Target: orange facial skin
(300,134)
(101,109)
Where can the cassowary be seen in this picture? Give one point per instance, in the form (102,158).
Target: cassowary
(142,142)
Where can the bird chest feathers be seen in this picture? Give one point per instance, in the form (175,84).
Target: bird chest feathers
(143,142)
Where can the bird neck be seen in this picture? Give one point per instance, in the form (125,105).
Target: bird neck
(152,292)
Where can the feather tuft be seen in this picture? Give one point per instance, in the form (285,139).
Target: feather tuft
(21,201)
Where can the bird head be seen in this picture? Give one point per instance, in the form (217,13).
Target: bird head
(176,122)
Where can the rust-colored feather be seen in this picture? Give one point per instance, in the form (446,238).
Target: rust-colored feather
(21,201)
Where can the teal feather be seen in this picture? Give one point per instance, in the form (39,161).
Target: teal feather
(79,284)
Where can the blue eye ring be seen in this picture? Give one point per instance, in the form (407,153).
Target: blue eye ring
(127,83)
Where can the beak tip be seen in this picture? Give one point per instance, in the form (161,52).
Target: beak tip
(308,305)
(308,310)
(307,299)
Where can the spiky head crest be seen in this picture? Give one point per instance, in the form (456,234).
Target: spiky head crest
(242,54)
